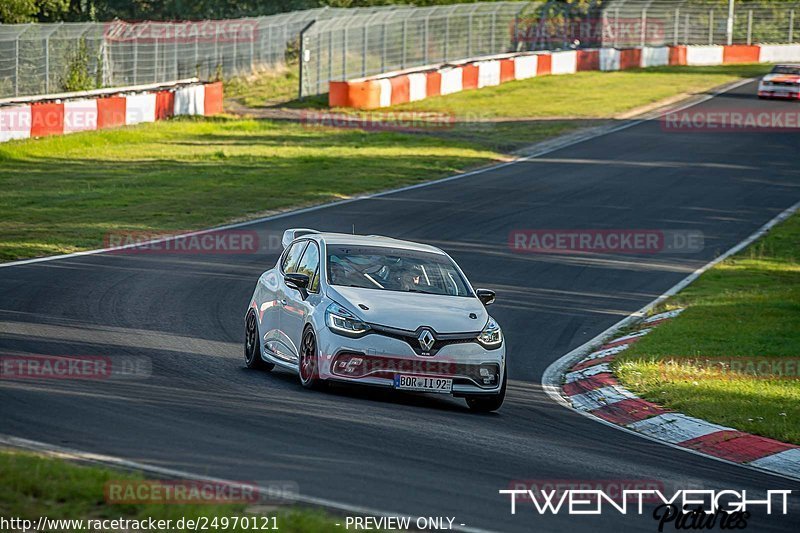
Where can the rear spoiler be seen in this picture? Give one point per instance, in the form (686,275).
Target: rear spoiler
(291,234)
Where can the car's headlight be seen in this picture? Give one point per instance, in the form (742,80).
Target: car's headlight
(342,321)
(491,336)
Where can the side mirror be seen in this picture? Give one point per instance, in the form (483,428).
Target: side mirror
(486,296)
(298,282)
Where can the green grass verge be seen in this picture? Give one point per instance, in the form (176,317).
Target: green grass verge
(263,89)
(34,486)
(584,94)
(746,307)
(62,194)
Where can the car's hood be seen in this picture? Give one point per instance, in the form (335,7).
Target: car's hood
(410,310)
(782,78)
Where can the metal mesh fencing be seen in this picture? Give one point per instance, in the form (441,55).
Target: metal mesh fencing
(45,58)
(672,22)
(383,41)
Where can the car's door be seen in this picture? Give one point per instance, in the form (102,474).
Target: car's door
(278,342)
(296,309)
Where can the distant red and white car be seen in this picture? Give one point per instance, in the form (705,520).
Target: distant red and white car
(782,82)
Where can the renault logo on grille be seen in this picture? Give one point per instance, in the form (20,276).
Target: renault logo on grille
(426,340)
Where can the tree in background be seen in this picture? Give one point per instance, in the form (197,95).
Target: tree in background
(17,11)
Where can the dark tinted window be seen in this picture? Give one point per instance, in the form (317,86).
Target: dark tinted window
(786,69)
(394,269)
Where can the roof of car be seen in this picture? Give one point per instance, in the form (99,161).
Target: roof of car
(373,240)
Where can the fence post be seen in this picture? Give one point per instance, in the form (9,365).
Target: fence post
(711,26)
(686,30)
(344,53)
(750,27)
(196,52)
(16,66)
(677,23)
(47,64)
(446,36)
(729,24)
(235,52)
(405,44)
(616,27)
(494,25)
(330,54)
(791,25)
(469,34)
(425,51)
(175,57)
(135,59)
(155,66)
(364,51)
(270,52)
(383,47)
(303,59)
(216,52)
(643,36)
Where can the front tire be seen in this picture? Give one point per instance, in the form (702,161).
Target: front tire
(252,346)
(488,403)
(309,361)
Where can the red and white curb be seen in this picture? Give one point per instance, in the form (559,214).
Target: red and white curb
(590,386)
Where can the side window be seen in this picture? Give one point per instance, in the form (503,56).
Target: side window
(292,257)
(315,282)
(309,265)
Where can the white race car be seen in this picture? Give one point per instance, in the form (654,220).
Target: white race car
(376,311)
(782,82)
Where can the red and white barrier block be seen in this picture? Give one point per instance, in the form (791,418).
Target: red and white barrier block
(434,80)
(62,114)
(591,386)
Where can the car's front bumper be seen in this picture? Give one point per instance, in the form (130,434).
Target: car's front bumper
(786,92)
(381,357)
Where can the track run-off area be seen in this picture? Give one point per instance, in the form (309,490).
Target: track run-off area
(201,411)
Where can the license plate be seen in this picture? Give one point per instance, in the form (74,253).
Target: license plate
(423,383)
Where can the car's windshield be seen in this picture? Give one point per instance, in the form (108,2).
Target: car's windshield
(786,69)
(394,269)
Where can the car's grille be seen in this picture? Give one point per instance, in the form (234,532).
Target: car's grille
(358,365)
(412,338)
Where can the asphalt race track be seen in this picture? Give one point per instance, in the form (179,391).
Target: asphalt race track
(202,411)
